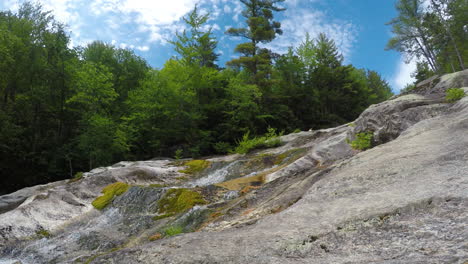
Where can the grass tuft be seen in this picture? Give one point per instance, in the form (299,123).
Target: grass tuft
(173,230)
(269,140)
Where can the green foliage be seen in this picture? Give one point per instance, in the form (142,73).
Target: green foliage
(173,230)
(433,32)
(297,130)
(78,176)
(269,140)
(222,147)
(261,28)
(363,141)
(422,72)
(68,109)
(179,200)
(196,47)
(195,166)
(408,88)
(178,154)
(454,94)
(109,193)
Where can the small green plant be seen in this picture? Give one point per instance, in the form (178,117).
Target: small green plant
(454,94)
(222,147)
(408,88)
(178,154)
(78,176)
(179,200)
(110,191)
(195,166)
(43,233)
(297,130)
(173,230)
(352,124)
(363,141)
(269,140)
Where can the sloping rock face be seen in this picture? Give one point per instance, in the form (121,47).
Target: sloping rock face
(312,200)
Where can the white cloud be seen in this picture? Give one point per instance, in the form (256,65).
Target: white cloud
(142,48)
(403,74)
(298,22)
(237,11)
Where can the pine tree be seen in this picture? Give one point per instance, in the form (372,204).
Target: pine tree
(261,28)
(196,46)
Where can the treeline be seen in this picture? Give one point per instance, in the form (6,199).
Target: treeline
(434,32)
(65,110)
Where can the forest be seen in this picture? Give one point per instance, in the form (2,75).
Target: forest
(65,110)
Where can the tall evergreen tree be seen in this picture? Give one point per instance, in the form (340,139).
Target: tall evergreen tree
(261,28)
(196,46)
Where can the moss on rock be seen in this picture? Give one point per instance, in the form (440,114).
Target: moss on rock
(109,192)
(195,166)
(179,200)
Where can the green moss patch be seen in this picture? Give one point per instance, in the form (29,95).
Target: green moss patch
(179,200)
(195,166)
(110,192)
(43,233)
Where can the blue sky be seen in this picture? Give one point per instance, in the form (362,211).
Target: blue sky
(357,26)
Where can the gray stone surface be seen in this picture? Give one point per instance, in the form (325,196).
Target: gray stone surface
(403,201)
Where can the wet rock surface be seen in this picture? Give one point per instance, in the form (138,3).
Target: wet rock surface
(312,200)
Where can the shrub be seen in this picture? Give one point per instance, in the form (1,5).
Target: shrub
(222,147)
(408,88)
(110,191)
(173,230)
(297,130)
(179,200)
(363,141)
(195,166)
(269,140)
(454,94)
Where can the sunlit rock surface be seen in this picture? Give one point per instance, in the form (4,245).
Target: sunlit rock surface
(312,200)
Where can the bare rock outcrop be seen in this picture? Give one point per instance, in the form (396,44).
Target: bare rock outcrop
(312,200)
